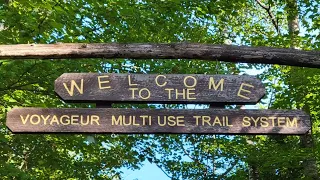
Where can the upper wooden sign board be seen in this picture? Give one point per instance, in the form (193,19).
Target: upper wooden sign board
(158,88)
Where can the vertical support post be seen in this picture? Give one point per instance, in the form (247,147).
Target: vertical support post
(103,105)
(215,106)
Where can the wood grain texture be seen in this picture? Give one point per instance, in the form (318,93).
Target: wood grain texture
(168,88)
(205,121)
(227,53)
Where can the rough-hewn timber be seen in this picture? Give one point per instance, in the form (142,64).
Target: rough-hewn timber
(228,53)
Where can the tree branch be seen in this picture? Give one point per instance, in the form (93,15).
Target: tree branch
(20,77)
(44,18)
(228,170)
(267,8)
(13,86)
(163,171)
(193,158)
(273,19)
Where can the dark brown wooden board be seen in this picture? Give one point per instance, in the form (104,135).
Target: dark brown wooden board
(211,52)
(111,120)
(158,88)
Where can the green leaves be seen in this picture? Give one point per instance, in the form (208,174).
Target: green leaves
(30,83)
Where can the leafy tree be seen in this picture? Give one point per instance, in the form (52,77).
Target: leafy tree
(29,83)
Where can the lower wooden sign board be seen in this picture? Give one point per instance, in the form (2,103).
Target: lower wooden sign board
(111,120)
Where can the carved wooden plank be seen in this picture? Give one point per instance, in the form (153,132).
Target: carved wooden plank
(169,88)
(110,120)
(228,53)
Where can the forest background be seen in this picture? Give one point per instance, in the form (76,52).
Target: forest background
(29,83)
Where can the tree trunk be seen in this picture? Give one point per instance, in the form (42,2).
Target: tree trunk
(293,23)
(309,164)
(253,172)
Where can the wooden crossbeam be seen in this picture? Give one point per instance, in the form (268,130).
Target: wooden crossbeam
(228,53)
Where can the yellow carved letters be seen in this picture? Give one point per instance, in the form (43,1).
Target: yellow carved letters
(190,85)
(95,118)
(117,121)
(144,117)
(214,86)
(183,94)
(171,121)
(206,119)
(272,118)
(146,94)
(45,119)
(35,119)
(74,84)
(281,121)
(191,92)
(157,82)
(244,90)
(163,123)
(54,120)
(24,120)
(143,93)
(246,121)
(101,81)
(169,92)
(65,120)
(264,121)
(180,121)
(271,121)
(130,83)
(197,119)
(129,120)
(217,121)
(255,121)
(133,92)
(227,122)
(292,123)
(74,119)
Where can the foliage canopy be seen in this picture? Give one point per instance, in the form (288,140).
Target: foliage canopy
(29,83)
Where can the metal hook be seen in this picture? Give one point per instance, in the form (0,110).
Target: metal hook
(217,66)
(113,135)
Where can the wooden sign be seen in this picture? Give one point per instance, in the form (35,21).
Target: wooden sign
(169,88)
(204,121)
